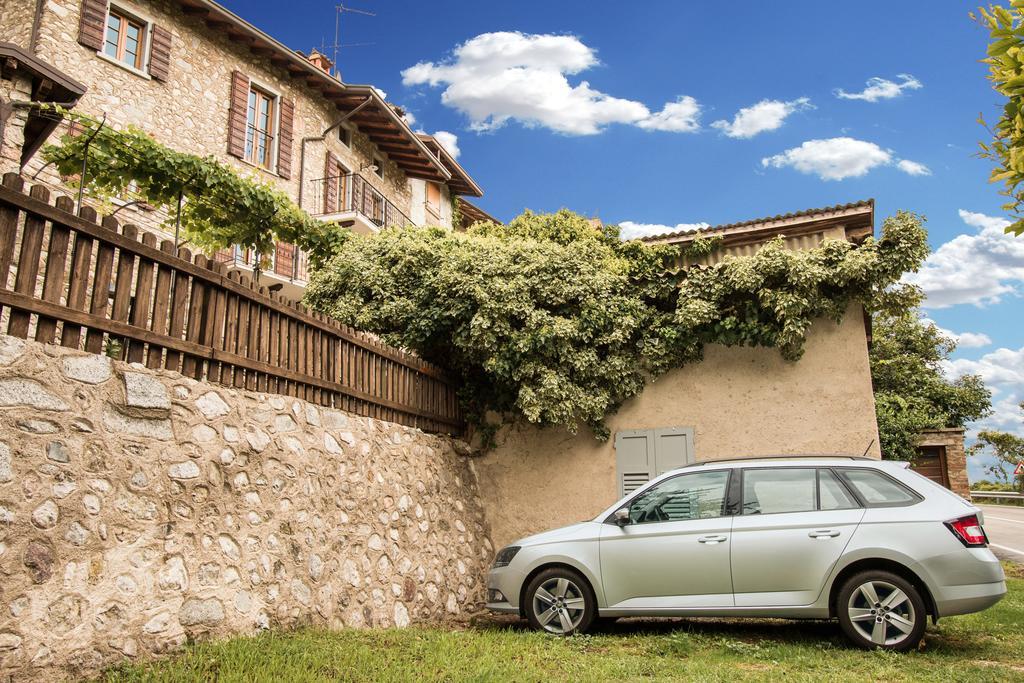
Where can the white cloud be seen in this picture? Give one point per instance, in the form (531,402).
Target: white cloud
(964,340)
(681,116)
(881,89)
(1002,371)
(838,158)
(764,116)
(507,76)
(832,159)
(631,230)
(980,268)
(450,141)
(912,167)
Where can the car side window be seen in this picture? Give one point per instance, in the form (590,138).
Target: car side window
(768,491)
(698,495)
(876,488)
(832,495)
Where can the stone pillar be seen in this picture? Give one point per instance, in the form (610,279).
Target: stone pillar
(951,440)
(16,89)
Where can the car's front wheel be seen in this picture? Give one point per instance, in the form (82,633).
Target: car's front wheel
(881,610)
(560,601)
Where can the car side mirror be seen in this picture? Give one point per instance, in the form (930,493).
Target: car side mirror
(622,516)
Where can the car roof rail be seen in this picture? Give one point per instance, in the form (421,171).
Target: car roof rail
(790,456)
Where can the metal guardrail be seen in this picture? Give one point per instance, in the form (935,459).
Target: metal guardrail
(997,494)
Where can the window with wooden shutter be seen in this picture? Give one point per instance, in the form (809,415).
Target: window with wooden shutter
(160,53)
(284,139)
(334,185)
(92,24)
(237,113)
(643,454)
(284,260)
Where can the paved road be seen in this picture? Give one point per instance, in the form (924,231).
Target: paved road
(1004,525)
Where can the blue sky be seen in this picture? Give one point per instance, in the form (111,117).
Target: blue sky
(613,149)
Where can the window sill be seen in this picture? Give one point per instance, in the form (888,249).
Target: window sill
(262,169)
(127,67)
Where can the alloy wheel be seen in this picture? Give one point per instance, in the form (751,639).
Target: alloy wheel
(558,604)
(881,613)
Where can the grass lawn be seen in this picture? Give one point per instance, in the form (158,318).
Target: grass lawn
(980,647)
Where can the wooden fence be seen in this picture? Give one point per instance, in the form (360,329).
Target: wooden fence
(97,287)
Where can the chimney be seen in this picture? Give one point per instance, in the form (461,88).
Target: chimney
(320,61)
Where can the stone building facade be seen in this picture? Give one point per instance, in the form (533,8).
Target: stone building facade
(180,90)
(139,509)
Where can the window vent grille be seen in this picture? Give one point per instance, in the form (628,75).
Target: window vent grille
(631,481)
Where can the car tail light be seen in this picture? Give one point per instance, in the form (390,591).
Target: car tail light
(968,529)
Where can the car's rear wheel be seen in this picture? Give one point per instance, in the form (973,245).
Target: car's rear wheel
(559,601)
(881,610)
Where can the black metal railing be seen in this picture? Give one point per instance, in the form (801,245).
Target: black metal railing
(287,261)
(351,192)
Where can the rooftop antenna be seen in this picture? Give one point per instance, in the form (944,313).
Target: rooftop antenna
(340,9)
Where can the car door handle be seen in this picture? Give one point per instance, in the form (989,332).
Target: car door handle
(711,539)
(823,533)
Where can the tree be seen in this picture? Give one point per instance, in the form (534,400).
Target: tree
(912,393)
(1008,451)
(1006,72)
(551,321)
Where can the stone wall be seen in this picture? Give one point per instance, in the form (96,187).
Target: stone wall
(18,88)
(951,440)
(140,508)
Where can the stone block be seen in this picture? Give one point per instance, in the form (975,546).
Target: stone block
(91,369)
(138,426)
(18,391)
(6,468)
(11,349)
(145,391)
(211,405)
(199,612)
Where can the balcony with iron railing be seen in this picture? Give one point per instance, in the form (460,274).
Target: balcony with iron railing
(287,264)
(352,201)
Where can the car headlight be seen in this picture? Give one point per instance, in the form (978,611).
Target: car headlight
(505,556)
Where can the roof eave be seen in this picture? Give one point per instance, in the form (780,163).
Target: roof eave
(310,71)
(854,216)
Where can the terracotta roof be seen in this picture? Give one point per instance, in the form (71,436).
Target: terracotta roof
(376,119)
(863,207)
(460,183)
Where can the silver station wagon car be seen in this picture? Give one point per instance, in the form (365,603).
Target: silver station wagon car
(868,542)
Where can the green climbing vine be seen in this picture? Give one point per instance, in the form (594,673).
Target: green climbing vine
(221,207)
(551,321)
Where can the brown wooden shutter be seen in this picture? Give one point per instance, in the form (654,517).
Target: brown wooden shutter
(160,54)
(92,23)
(284,139)
(237,114)
(284,260)
(331,184)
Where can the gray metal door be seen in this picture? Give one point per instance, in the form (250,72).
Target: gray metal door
(643,454)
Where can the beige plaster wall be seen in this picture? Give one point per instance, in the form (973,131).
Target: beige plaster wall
(140,508)
(741,402)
